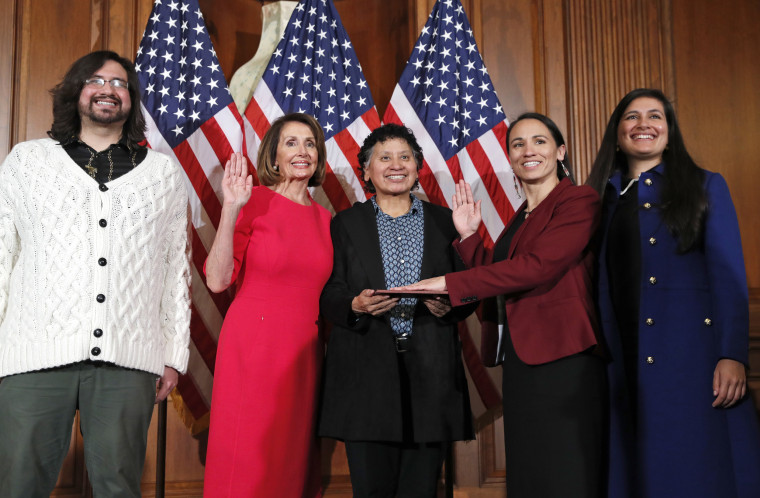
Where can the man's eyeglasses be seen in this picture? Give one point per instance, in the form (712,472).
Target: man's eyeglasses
(100,82)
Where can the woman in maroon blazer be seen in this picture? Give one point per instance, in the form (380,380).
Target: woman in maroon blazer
(540,269)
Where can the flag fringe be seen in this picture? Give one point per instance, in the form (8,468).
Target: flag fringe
(195,426)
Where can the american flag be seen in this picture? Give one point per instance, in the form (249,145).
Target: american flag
(191,117)
(315,70)
(446,97)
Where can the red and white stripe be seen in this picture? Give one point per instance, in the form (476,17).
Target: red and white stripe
(202,157)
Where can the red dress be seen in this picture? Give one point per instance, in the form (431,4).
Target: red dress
(262,439)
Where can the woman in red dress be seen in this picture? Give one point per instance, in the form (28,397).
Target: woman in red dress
(274,241)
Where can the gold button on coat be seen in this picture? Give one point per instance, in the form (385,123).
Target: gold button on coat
(708,322)
(648,182)
(650,359)
(652,280)
(650,321)
(647,205)
(652,241)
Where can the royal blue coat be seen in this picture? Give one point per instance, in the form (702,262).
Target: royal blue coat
(693,313)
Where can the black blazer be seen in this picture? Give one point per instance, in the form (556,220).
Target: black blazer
(370,391)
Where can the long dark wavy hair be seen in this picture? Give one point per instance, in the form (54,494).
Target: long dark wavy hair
(683,202)
(66,120)
(559,140)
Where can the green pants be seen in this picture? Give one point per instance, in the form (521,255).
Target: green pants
(36,414)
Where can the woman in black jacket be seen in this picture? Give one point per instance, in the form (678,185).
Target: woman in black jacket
(394,384)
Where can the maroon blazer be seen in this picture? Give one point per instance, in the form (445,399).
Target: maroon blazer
(546,281)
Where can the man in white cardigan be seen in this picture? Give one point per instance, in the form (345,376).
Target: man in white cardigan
(94,286)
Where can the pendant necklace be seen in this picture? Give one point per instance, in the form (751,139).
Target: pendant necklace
(92,170)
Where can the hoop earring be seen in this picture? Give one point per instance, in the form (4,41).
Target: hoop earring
(517,187)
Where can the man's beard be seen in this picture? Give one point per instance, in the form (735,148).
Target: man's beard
(102,117)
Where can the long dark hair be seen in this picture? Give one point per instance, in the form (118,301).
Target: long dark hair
(563,167)
(683,202)
(66,120)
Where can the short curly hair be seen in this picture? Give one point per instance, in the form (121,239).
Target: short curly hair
(381,135)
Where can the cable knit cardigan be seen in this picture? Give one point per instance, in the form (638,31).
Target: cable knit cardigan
(89,271)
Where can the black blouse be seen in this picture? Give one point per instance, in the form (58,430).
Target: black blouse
(623,260)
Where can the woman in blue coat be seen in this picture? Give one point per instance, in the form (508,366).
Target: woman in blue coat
(674,308)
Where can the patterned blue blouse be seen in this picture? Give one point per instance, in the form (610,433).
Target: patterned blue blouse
(401,245)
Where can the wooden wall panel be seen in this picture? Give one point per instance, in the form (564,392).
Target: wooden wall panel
(509,37)
(553,78)
(613,46)
(754,345)
(716,48)
(123,24)
(235,30)
(8,10)
(45,50)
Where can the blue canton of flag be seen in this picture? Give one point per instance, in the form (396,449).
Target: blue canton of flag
(179,72)
(315,70)
(447,82)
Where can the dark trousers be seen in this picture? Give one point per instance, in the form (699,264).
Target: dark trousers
(387,470)
(36,414)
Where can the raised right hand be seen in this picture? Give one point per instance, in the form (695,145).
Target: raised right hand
(465,211)
(237,183)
